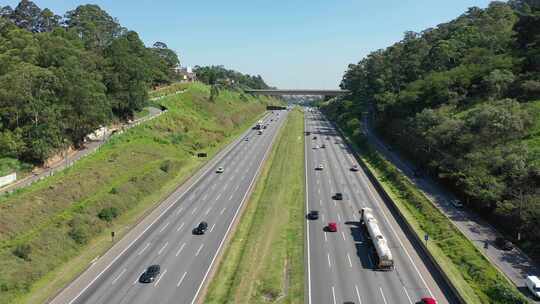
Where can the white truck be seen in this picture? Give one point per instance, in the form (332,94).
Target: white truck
(384,259)
(533,283)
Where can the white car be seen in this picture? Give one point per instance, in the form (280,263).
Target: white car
(320,167)
(354,168)
(220,170)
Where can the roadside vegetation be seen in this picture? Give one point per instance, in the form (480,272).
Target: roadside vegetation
(475,278)
(461,101)
(51,230)
(264,262)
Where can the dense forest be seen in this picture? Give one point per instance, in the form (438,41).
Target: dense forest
(218,75)
(63,77)
(462,100)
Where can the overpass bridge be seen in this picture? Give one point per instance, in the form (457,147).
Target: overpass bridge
(298,92)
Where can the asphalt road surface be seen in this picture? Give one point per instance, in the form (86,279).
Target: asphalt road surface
(185,259)
(340,265)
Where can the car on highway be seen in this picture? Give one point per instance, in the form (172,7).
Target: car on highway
(320,167)
(323,146)
(354,168)
(338,196)
(314,137)
(331,227)
(220,170)
(503,244)
(150,274)
(260,132)
(315,147)
(313,215)
(201,228)
(456,203)
(327,137)
(246,139)
(428,300)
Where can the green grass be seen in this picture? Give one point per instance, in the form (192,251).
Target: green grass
(10,165)
(264,260)
(163,91)
(131,173)
(475,278)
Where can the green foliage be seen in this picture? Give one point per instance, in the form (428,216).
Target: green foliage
(23,251)
(108,214)
(60,83)
(458,100)
(218,75)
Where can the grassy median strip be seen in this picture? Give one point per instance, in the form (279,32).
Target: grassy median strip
(51,230)
(475,278)
(264,262)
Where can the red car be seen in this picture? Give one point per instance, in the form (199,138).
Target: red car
(332,227)
(429,300)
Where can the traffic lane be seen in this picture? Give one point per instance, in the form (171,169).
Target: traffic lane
(344,286)
(193,252)
(411,256)
(385,284)
(190,216)
(393,284)
(158,224)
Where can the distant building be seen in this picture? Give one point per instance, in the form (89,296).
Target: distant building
(185,74)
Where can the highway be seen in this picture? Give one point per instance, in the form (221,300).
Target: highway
(185,259)
(340,265)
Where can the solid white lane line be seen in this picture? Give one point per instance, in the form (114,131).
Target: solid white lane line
(329,264)
(211,229)
(178,211)
(407,294)
(208,211)
(358,294)
(142,250)
(194,210)
(163,248)
(325,237)
(181,279)
(199,250)
(159,279)
(343,235)
(180,250)
(164,227)
(382,294)
(118,277)
(307,224)
(349,258)
(180,227)
(222,210)
(334,294)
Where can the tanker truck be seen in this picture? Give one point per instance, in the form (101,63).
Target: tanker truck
(383,256)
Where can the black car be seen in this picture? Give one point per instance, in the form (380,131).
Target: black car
(314,137)
(150,274)
(313,215)
(201,229)
(504,244)
(338,196)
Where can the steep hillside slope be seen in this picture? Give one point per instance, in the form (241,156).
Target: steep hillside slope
(45,226)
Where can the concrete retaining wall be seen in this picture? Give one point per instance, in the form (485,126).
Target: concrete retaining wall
(8,179)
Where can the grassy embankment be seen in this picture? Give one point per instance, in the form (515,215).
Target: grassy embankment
(51,230)
(264,260)
(475,278)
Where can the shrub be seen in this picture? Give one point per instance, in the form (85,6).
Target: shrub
(114,190)
(108,214)
(165,166)
(80,234)
(23,251)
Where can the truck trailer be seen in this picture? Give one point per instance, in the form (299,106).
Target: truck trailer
(383,259)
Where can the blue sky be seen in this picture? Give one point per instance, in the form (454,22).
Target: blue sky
(291,43)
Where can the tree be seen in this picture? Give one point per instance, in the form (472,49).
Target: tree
(96,28)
